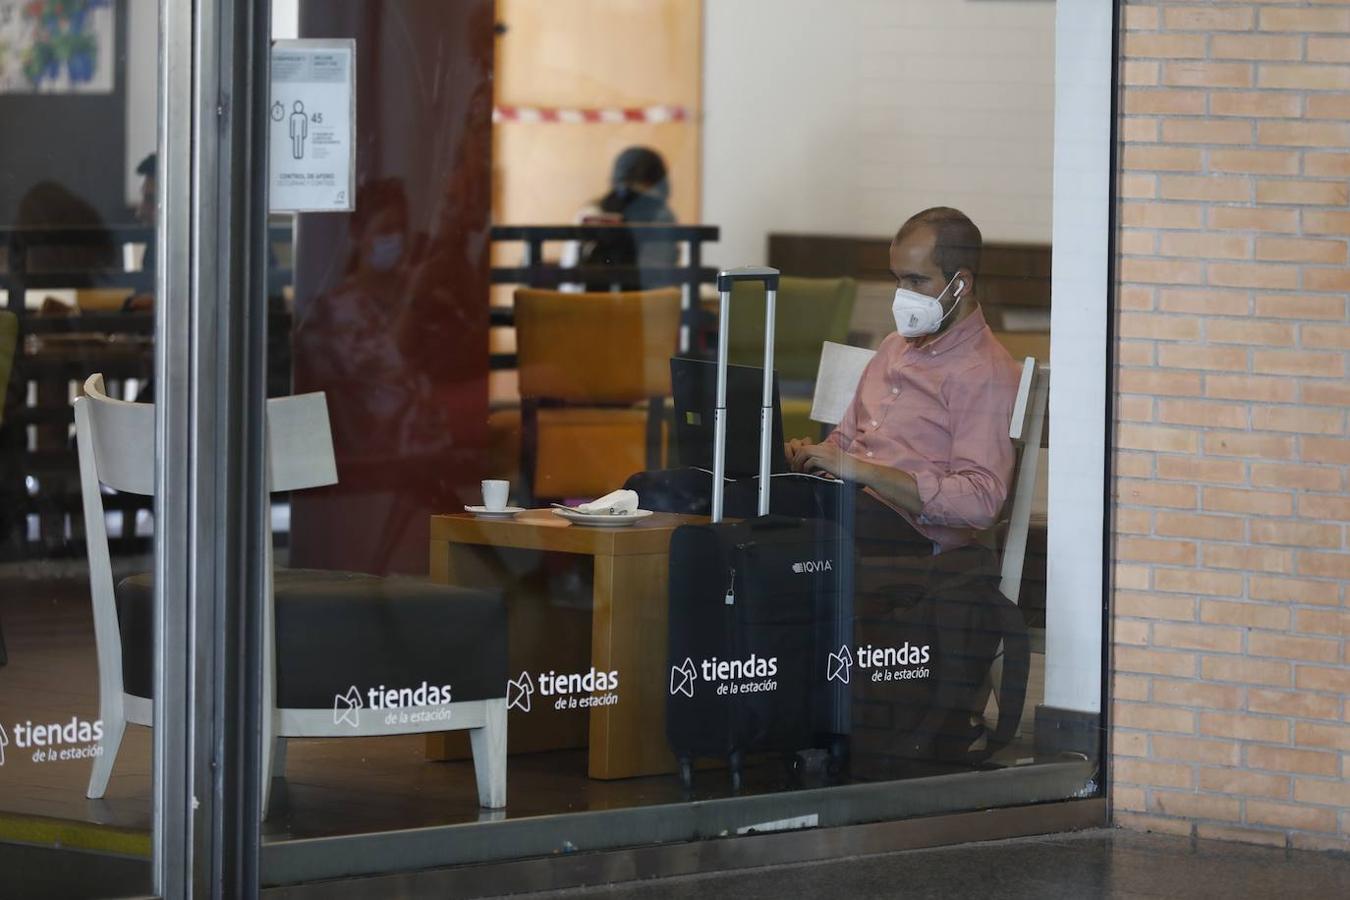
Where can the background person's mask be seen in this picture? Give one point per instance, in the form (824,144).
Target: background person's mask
(919,314)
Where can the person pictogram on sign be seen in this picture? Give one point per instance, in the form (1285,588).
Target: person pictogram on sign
(299,130)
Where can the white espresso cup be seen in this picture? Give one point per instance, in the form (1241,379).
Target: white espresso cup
(495,493)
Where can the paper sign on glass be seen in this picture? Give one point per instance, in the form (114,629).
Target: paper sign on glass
(312,126)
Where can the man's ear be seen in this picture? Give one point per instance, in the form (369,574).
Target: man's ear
(964,283)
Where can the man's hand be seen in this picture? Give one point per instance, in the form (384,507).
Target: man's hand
(827,458)
(792,447)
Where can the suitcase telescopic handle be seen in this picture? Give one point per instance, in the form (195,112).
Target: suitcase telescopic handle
(725,279)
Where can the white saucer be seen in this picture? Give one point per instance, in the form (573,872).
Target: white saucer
(485,513)
(604,520)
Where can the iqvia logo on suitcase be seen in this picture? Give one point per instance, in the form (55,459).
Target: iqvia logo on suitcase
(812,566)
(752,675)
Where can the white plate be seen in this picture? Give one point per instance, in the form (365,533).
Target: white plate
(607,520)
(486,513)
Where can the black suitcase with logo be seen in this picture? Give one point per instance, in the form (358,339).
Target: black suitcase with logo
(754,609)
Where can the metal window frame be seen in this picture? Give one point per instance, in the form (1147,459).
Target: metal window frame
(210,322)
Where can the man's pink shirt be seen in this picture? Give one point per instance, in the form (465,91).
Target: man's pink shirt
(941,413)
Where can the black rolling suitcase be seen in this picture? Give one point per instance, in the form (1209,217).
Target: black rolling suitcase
(754,607)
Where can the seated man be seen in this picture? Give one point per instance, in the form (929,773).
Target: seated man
(926,436)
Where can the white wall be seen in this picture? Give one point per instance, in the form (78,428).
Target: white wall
(846,116)
(142,89)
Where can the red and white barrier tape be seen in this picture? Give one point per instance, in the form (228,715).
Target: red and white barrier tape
(601,115)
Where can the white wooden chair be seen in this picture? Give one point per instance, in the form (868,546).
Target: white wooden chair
(116,449)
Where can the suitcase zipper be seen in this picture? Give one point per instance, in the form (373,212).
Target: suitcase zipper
(731,589)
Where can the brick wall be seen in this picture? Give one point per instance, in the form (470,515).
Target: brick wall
(1231,605)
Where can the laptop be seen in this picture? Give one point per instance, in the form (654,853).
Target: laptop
(694,386)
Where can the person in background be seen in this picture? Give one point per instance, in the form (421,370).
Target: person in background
(639,193)
(148,169)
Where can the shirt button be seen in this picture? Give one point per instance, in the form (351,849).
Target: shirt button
(869,454)
(895,390)
(874,423)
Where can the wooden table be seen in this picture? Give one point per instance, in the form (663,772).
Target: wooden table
(627,631)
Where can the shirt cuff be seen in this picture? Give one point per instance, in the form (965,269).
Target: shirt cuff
(927,485)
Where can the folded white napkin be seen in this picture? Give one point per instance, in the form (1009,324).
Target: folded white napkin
(615,503)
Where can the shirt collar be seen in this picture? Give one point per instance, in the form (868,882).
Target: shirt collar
(960,333)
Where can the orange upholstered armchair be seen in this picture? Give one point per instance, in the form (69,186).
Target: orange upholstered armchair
(594,375)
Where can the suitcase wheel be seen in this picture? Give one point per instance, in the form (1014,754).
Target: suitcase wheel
(686,772)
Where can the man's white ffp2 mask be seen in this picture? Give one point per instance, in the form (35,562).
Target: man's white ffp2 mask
(919,314)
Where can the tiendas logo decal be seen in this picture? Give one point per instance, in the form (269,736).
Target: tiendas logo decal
(731,676)
(903,663)
(574,690)
(401,706)
(55,742)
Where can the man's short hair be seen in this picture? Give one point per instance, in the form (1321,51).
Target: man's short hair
(149,166)
(957,242)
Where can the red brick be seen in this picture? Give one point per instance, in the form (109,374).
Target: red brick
(1158,327)
(1294,307)
(1296,192)
(1261,104)
(1298,419)
(1141,17)
(1246,218)
(1322,221)
(1162,215)
(1217,528)
(1267,334)
(1329,337)
(1204,300)
(1199,412)
(1310,649)
(1248,615)
(1317,678)
(1150,551)
(1249,559)
(1131,577)
(1302,477)
(1162,46)
(1152,718)
(1155,824)
(1248,387)
(1165,159)
(1302,20)
(1267,836)
(1137,492)
(1135,353)
(1293,590)
(1158,271)
(1284,815)
(1209,19)
(1285,759)
(1147,437)
(1264,446)
(1204,246)
(1327,165)
(1223,359)
(1324,793)
(1137,186)
(1300,250)
(1151,382)
(1323,622)
(1316,734)
(1303,133)
(1137,129)
(1140,72)
(1163,102)
(1325,450)
(1206,131)
(1195,806)
(1129,743)
(1299,704)
(1298,362)
(1153,774)
(1260,503)
(1295,534)
(1155,606)
(1266,276)
(1243,784)
(1313,507)
(1319,843)
(1129,632)
(1258,162)
(1327,49)
(1154,662)
(1209,74)
(1199,581)
(1185,468)
(1197,693)
(1221,753)
(1326,106)
(1301,77)
(1134,465)
(1243,670)
(1324,565)
(1205,187)
(1133,521)
(1253,46)
(1244,728)
(1329,279)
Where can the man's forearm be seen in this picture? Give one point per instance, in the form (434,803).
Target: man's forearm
(893,485)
